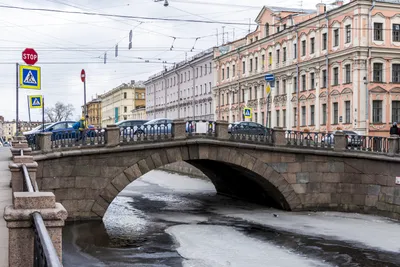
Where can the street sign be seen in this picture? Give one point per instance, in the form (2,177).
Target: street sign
(269,77)
(268,88)
(29,56)
(29,77)
(35,101)
(83,75)
(247,113)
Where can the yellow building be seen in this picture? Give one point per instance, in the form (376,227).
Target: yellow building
(93,112)
(117,104)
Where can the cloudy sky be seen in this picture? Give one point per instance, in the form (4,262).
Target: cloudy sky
(67,43)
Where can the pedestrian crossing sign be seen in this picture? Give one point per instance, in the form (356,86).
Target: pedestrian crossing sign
(35,101)
(29,77)
(247,113)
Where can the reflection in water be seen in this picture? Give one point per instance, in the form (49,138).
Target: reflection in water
(167,219)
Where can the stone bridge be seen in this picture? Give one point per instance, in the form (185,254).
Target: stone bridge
(288,170)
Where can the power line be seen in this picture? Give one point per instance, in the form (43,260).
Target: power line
(93,62)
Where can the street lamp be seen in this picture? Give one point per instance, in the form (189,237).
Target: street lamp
(165,2)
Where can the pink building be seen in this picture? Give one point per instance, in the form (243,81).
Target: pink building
(324,62)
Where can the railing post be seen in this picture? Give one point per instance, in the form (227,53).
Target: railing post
(112,135)
(393,145)
(340,142)
(179,129)
(44,141)
(17,178)
(221,130)
(278,136)
(19,143)
(19,223)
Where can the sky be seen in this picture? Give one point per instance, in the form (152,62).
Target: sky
(68,43)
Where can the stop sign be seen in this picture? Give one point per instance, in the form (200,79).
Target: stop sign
(30,56)
(83,75)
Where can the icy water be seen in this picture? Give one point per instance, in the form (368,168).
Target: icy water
(166,219)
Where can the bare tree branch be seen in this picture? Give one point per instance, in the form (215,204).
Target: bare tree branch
(60,112)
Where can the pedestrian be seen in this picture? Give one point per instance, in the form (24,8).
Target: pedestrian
(81,126)
(394,130)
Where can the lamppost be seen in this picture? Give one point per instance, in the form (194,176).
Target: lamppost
(165,2)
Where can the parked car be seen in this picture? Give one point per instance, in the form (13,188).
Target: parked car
(353,139)
(157,126)
(130,126)
(247,127)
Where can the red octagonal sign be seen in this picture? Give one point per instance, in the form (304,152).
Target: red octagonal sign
(30,56)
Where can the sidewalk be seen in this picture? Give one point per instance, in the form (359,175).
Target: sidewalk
(5,199)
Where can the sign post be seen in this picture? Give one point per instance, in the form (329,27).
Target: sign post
(36,101)
(268,78)
(83,79)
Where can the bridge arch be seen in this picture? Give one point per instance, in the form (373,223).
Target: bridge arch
(232,171)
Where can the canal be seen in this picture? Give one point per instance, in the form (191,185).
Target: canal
(167,219)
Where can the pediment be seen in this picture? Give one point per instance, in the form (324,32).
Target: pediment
(335,92)
(323,94)
(303,97)
(311,96)
(294,99)
(346,18)
(377,89)
(395,90)
(379,14)
(347,91)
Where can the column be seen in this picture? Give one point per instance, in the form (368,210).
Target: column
(272,106)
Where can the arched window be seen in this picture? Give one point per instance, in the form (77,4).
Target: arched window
(266,29)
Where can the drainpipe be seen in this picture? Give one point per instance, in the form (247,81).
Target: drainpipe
(194,89)
(155,98)
(367,78)
(238,71)
(179,87)
(328,105)
(298,80)
(165,95)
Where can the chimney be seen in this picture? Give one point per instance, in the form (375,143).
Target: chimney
(339,3)
(321,8)
(132,82)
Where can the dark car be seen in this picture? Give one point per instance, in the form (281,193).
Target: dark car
(247,127)
(59,130)
(130,127)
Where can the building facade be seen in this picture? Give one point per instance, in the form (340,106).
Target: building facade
(9,128)
(335,68)
(116,104)
(93,112)
(183,91)
(138,114)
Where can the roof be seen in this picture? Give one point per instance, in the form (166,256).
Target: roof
(284,9)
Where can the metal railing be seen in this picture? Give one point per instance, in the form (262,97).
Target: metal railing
(147,132)
(309,139)
(200,127)
(246,133)
(376,144)
(45,255)
(73,138)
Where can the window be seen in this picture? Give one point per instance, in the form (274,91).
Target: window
(197,72)
(233,98)
(256,38)
(251,40)
(303,82)
(395,111)
(312,40)
(323,114)
(377,111)
(210,67)
(205,88)
(185,76)
(137,96)
(294,51)
(189,75)
(227,72)
(244,67)
(378,72)
(303,48)
(266,29)
(181,77)
(205,107)
(347,73)
(251,64)
(233,70)
(336,37)
(270,58)
(174,80)
(256,61)
(278,55)
(125,95)
(312,115)
(396,73)
(295,116)
(347,114)
(284,54)
(396,32)
(205,69)
(250,93)
(223,74)
(201,89)
(222,100)
(378,31)
(284,86)
(303,116)
(335,76)
(324,41)
(335,113)
(201,71)
(277,87)
(277,117)
(269,119)
(125,109)
(284,118)
(348,34)
(262,61)
(209,87)
(312,80)
(142,95)
(294,84)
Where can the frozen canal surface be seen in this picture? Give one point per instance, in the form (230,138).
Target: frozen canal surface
(166,219)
